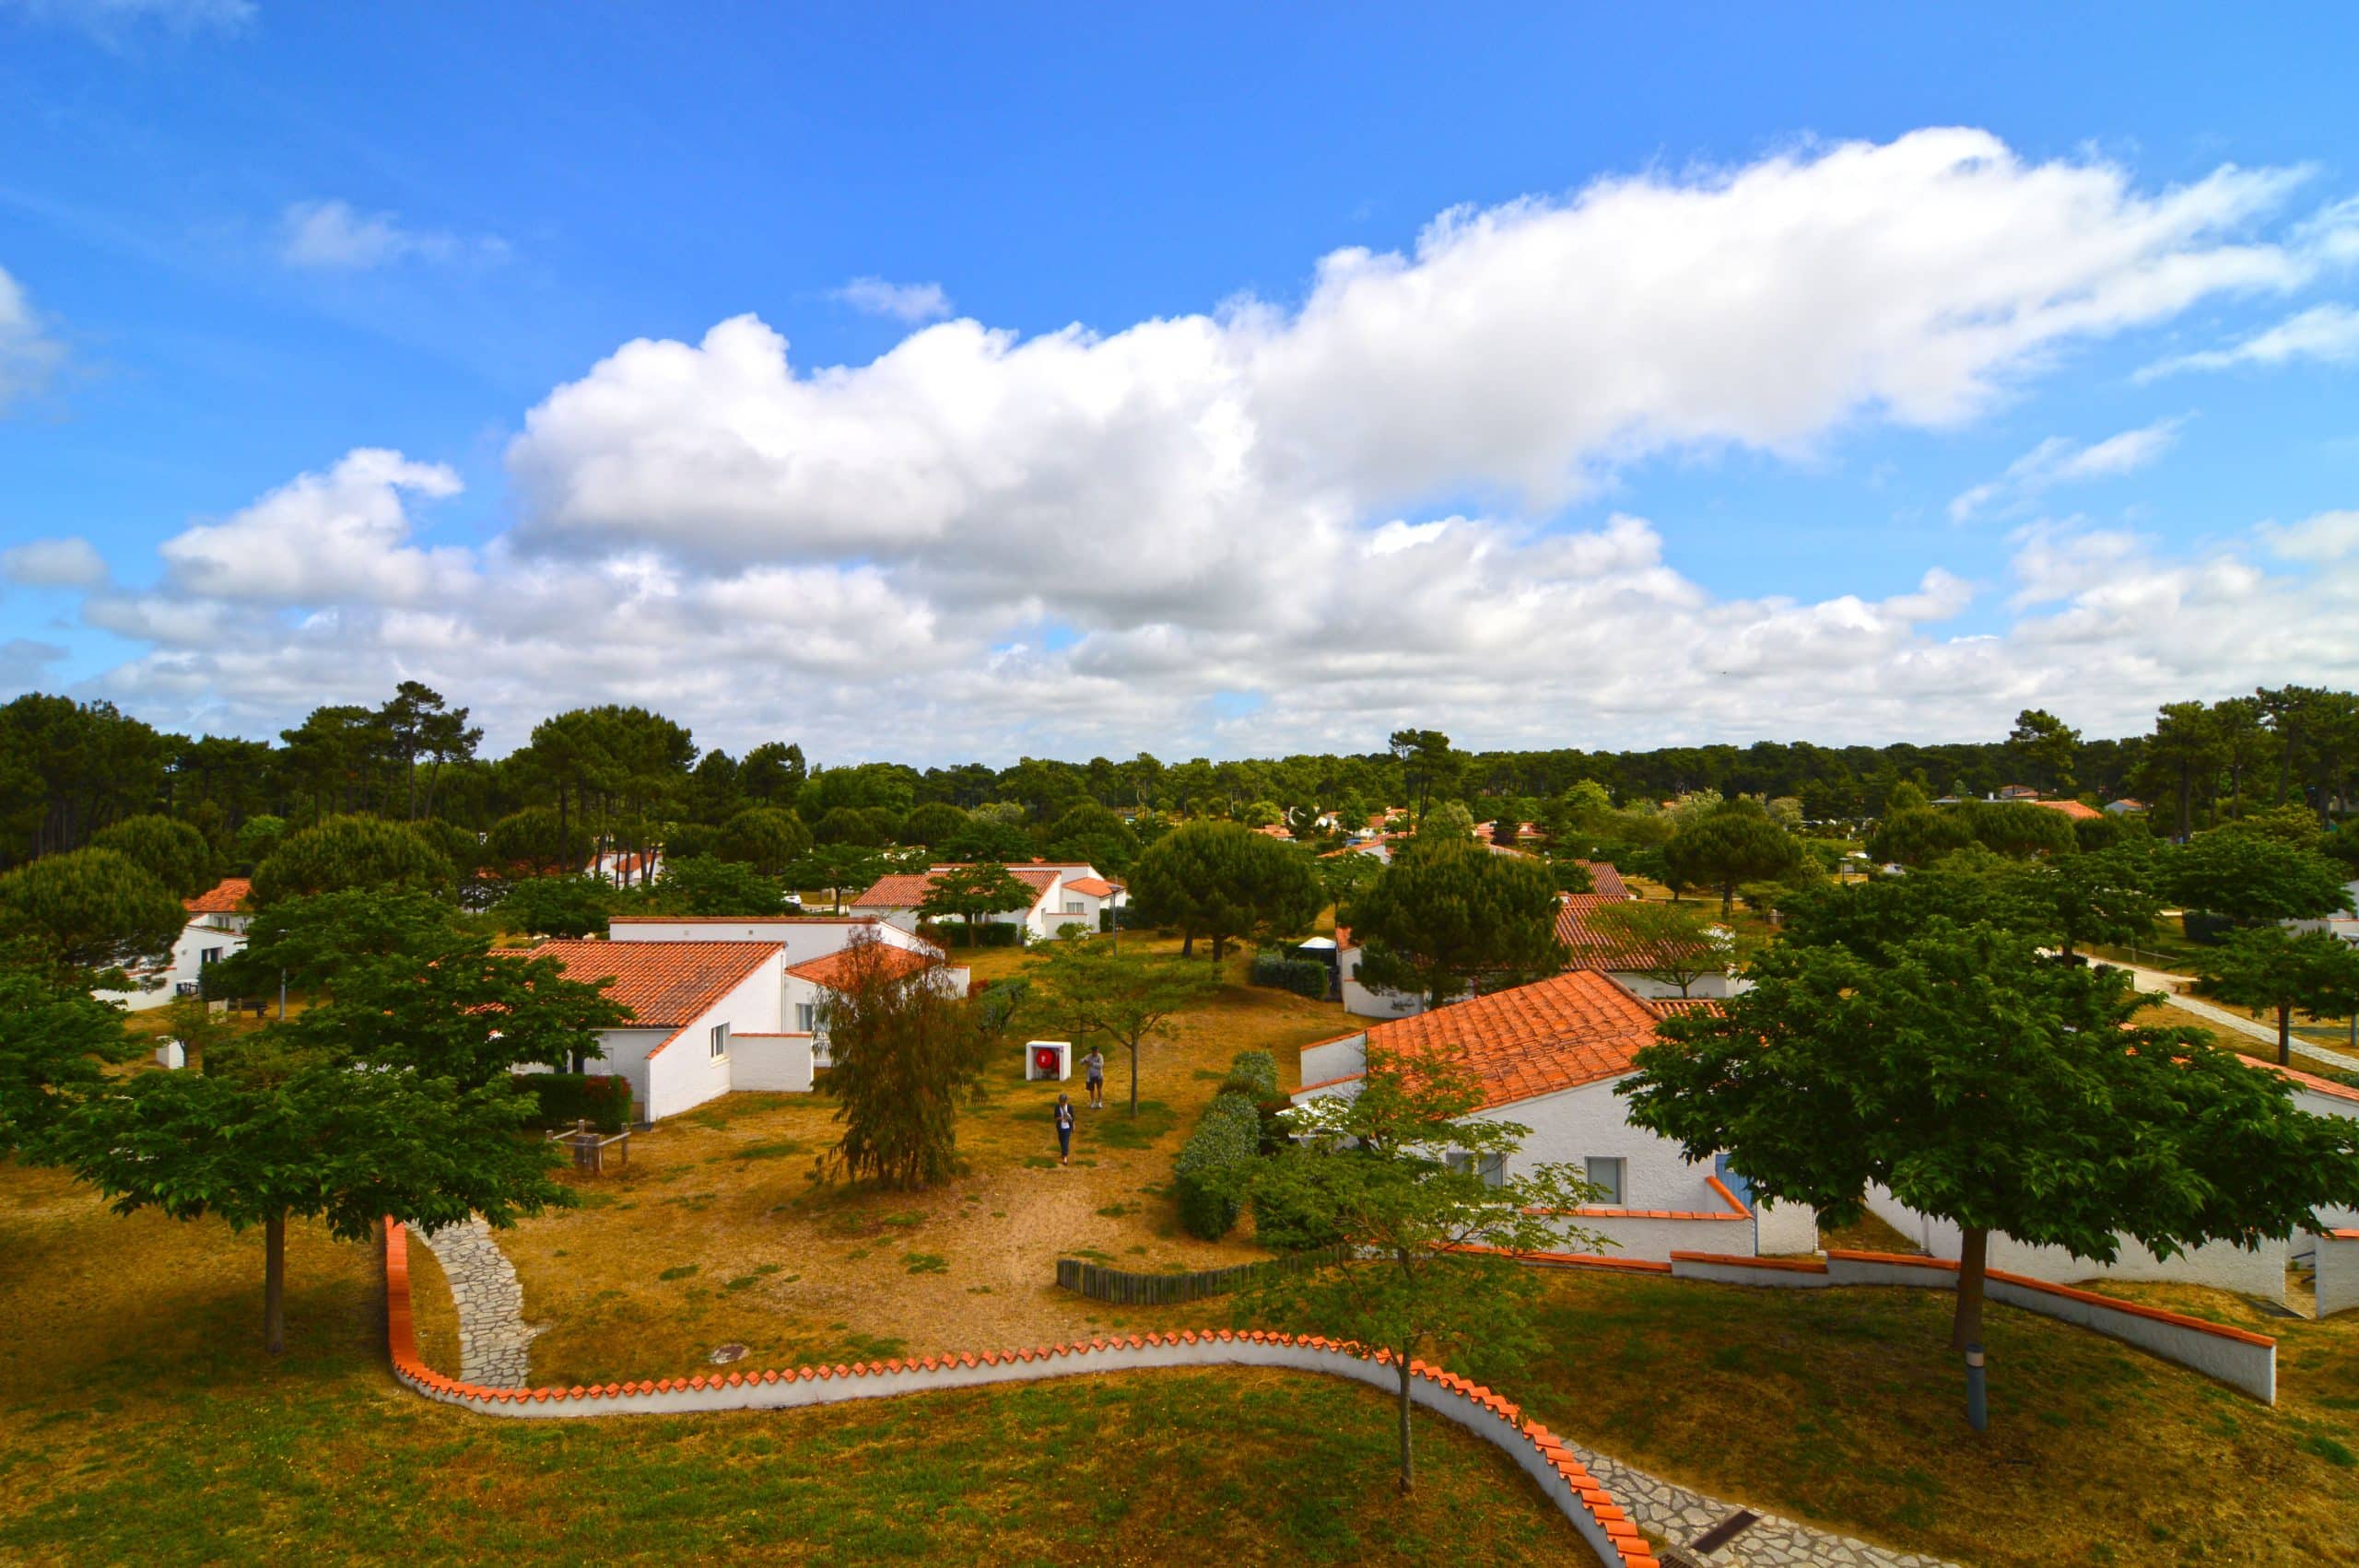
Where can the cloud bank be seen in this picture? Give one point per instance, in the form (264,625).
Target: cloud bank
(1290,525)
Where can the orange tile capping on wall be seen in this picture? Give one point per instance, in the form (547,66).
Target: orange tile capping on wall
(1536,1451)
(2111,1303)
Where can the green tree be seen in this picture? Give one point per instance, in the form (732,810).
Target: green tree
(173,852)
(1984,1085)
(2250,876)
(704,884)
(419,725)
(1432,1201)
(766,838)
(539,840)
(2104,896)
(393,1096)
(934,823)
(772,774)
(92,910)
(2018,828)
(1918,835)
(976,893)
(2273,968)
(904,1050)
(1731,843)
(56,1042)
(557,906)
(1129,999)
(352,851)
(838,868)
(1672,944)
(1448,915)
(257,838)
(2047,747)
(1429,769)
(1090,833)
(858,826)
(2182,757)
(1221,881)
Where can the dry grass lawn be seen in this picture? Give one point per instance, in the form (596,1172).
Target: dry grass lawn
(139,1422)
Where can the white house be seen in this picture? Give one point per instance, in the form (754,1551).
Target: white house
(715,1012)
(1066,893)
(216,928)
(802,936)
(1547,1056)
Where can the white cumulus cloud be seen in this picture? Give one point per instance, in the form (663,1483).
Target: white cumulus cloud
(2327,333)
(2061,460)
(910,302)
(55,563)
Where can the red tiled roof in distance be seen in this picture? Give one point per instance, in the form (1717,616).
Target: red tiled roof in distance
(664,984)
(907,891)
(830,967)
(2072,809)
(1553,1034)
(1672,1006)
(225,897)
(1589,947)
(1090,886)
(1606,878)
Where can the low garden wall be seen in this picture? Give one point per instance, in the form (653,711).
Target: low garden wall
(2220,1265)
(2337,1280)
(2244,1361)
(1568,1484)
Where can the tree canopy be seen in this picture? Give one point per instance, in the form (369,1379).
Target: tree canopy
(352,852)
(1448,916)
(2250,876)
(92,910)
(1984,1085)
(1730,843)
(1096,989)
(1223,881)
(173,852)
(2273,969)
(976,893)
(903,1052)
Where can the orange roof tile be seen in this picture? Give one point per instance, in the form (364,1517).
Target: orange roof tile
(226,897)
(1587,946)
(1090,886)
(1672,1006)
(2072,809)
(1606,878)
(830,967)
(664,984)
(2311,1081)
(1553,1034)
(907,891)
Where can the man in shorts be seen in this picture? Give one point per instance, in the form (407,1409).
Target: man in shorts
(1092,1073)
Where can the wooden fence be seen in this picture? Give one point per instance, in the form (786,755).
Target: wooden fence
(1125,1289)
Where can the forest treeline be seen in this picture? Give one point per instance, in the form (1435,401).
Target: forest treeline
(627,777)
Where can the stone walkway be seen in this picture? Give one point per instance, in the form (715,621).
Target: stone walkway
(1680,1515)
(495,1343)
(2165,984)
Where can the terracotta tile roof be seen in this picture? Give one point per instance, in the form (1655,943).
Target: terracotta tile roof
(829,968)
(1091,886)
(1587,946)
(226,897)
(1608,879)
(2072,809)
(664,984)
(1553,1034)
(907,891)
(2312,1082)
(1672,1006)
(743,920)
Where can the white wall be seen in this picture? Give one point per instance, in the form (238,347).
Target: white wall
(1336,1059)
(804,938)
(2337,1273)
(2218,1264)
(625,1057)
(1781,1230)
(1718,987)
(1569,1126)
(682,1073)
(781,1063)
(186,963)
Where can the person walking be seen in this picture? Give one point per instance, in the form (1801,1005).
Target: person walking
(1093,1069)
(1064,1130)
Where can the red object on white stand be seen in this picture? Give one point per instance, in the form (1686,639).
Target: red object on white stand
(1048,1059)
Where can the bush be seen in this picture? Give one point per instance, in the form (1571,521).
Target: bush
(1228,1139)
(2207,928)
(601,1100)
(1304,977)
(984,933)
(1254,1074)
(1116,918)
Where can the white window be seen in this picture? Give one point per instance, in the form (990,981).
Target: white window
(207,955)
(1072,906)
(720,1039)
(1605,1175)
(1492,1168)
(806,1018)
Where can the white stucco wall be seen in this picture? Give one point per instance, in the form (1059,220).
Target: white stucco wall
(1713,986)
(625,1057)
(2220,1265)
(682,1073)
(804,938)
(2337,1273)
(1781,1230)
(1335,1059)
(186,963)
(777,1062)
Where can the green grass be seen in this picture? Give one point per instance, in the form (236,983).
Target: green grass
(139,1422)
(1117,1128)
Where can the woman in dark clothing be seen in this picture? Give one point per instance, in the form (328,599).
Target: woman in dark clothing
(1064,1130)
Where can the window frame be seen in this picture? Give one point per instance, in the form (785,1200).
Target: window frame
(720,1047)
(1618,1195)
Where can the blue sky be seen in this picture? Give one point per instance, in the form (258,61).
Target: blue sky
(245,241)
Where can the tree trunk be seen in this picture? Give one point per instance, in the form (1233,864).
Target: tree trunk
(1134,1080)
(1973,1257)
(2284,1034)
(273,1285)
(1728,900)
(1220,947)
(1408,1467)
(1187,945)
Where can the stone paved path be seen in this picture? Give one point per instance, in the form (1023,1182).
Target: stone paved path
(2167,985)
(1680,1515)
(495,1343)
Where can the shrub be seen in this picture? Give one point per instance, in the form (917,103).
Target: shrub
(984,933)
(1304,977)
(1254,1074)
(1228,1139)
(601,1100)
(2207,928)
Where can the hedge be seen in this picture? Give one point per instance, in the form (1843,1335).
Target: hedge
(1303,976)
(983,933)
(601,1100)
(1227,1140)
(1254,1074)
